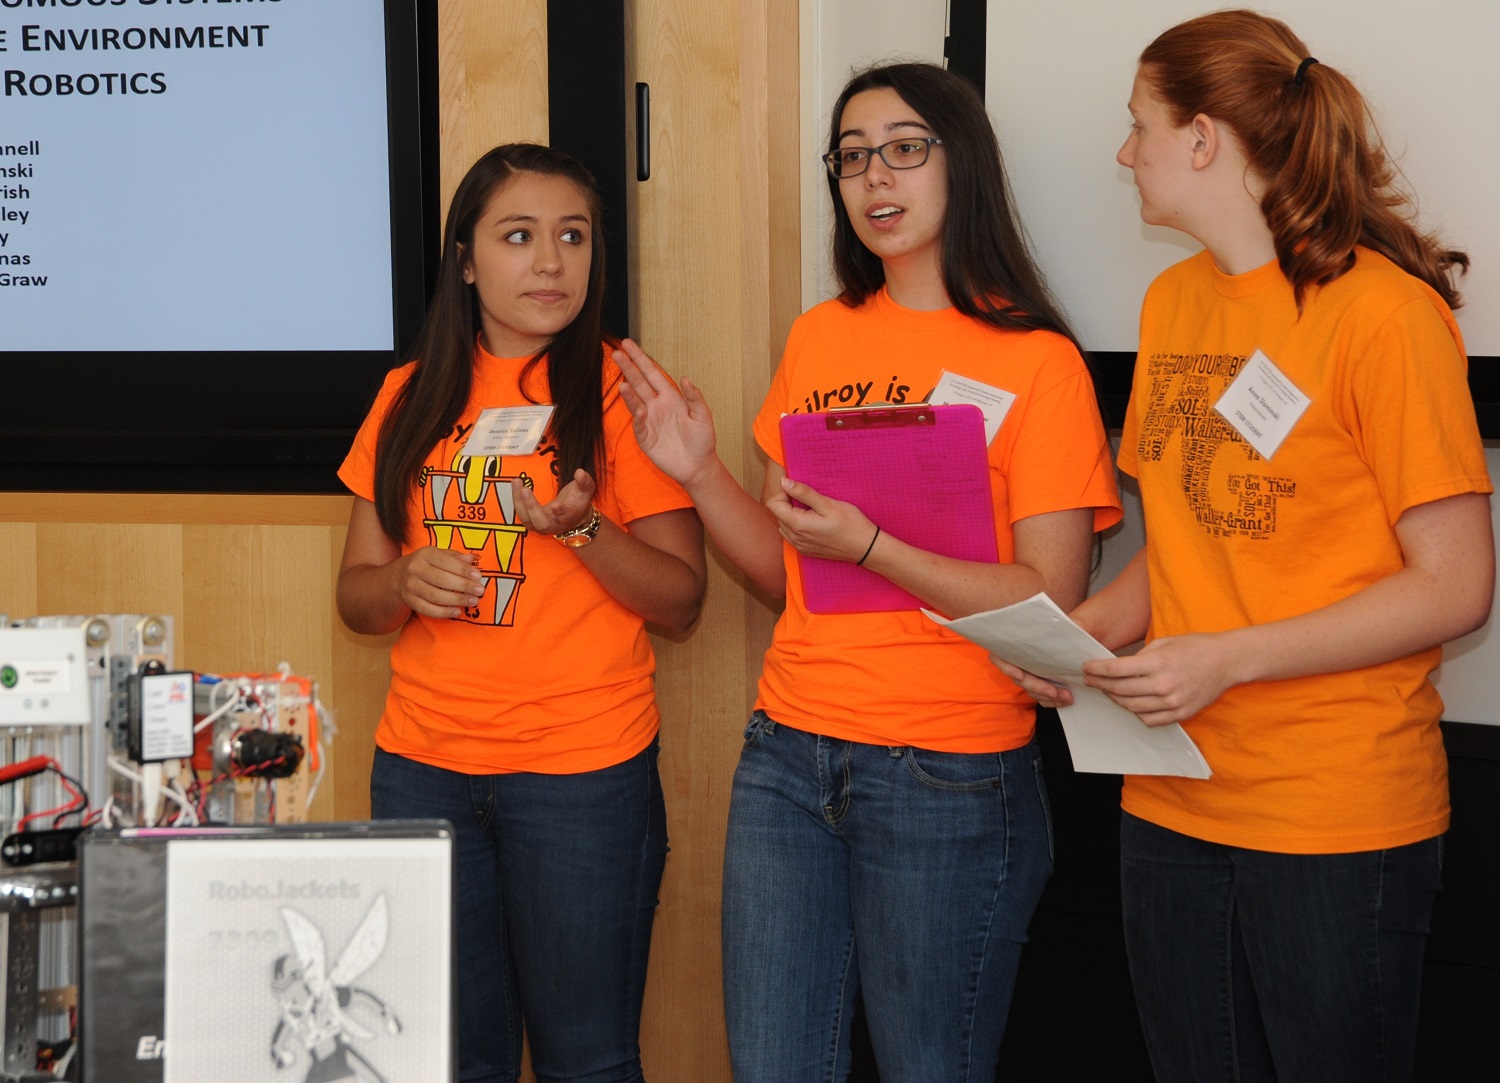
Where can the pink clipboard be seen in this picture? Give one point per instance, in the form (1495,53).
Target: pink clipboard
(920,473)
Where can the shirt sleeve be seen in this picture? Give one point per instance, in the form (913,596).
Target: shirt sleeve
(767,425)
(358,469)
(1059,459)
(636,487)
(1412,414)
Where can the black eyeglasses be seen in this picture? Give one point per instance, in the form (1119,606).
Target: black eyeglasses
(907,152)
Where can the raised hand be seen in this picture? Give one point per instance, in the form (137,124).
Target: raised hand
(673,426)
(571,507)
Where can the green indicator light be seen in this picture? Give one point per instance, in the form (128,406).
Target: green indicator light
(9,676)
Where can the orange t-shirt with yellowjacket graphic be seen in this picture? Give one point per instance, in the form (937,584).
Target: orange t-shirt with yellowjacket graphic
(548,673)
(897,678)
(1339,762)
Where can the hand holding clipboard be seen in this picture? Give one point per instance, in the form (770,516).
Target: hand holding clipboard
(919,473)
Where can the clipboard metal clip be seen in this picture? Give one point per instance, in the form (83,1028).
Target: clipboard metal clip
(879,417)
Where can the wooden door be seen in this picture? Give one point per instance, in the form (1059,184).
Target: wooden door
(715,285)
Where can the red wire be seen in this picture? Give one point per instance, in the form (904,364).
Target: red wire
(71,806)
(75,803)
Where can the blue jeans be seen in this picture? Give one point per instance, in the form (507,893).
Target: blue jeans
(902,876)
(1251,965)
(555,880)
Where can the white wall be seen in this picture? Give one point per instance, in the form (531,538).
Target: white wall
(1057,80)
(839,37)
(1058,77)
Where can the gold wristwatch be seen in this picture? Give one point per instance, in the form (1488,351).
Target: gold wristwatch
(580,536)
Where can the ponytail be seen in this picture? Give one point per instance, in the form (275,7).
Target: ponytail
(1308,135)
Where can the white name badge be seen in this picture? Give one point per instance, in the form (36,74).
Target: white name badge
(992,401)
(1262,405)
(508,430)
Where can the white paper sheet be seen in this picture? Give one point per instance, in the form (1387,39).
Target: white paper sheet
(1103,737)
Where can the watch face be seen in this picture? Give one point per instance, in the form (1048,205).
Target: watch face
(577,541)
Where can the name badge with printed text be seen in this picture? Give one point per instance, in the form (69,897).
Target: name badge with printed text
(1262,405)
(508,430)
(993,402)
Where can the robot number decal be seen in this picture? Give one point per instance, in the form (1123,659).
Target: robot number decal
(469,508)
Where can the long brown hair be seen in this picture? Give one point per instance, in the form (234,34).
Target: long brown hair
(431,402)
(1309,136)
(987,266)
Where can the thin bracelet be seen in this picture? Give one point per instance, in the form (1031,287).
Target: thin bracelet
(862,559)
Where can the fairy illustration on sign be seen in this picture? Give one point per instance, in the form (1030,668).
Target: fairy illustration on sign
(313,1000)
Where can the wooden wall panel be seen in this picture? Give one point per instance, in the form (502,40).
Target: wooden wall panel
(688,248)
(18,569)
(361,667)
(715,285)
(239,630)
(109,568)
(492,75)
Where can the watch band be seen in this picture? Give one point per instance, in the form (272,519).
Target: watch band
(581,535)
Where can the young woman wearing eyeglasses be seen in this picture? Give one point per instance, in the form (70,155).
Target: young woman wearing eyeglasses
(1296,584)
(889,835)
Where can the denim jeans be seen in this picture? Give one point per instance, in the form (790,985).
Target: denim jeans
(555,890)
(1251,965)
(902,876)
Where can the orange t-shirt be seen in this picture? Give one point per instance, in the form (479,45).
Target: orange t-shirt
(1338,762)
(898,678)
(548,673)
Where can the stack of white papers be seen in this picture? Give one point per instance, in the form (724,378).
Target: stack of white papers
(1103,737)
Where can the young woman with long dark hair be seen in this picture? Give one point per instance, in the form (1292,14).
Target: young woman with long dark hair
(888,829)
(1317,525)
(522,705)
